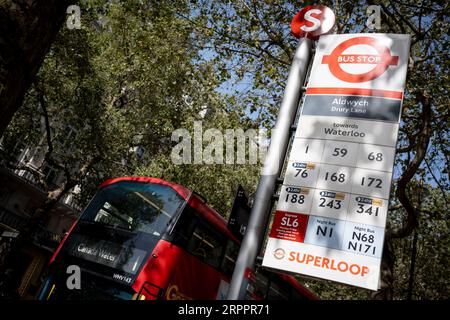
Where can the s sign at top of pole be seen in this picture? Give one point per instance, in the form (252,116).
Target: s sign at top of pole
(312,22)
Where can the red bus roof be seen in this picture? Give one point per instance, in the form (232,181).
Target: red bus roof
(182,191)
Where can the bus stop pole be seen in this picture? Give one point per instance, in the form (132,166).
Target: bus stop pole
(273,163)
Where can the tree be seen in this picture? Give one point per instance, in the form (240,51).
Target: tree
(110,89)
(66,98)
(217,181)
(429,279)
(27,29)
(121,85)
(113,88)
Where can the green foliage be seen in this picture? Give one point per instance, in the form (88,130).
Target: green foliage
(131,76)
(216,182)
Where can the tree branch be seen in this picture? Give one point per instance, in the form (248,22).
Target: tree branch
(418,34)
(422,146)
(396,207)
(441,187)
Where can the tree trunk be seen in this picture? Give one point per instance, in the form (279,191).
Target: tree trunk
(27,30)
(386,273)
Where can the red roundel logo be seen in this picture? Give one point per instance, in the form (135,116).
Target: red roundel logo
(312,21)
(381,60)
(279,253)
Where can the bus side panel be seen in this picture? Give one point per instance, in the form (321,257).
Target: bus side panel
(193,279)
(180,274)
(157,271)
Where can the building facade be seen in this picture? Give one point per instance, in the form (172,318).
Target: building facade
(20,196)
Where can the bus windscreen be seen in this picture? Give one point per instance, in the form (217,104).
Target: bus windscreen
(135,207)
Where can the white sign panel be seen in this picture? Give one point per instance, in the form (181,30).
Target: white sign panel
(362,61)
(331,214)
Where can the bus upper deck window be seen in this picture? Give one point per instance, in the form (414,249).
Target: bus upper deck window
(206,245)
(134,206)
(229,259)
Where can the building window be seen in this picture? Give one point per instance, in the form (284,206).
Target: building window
(50,174)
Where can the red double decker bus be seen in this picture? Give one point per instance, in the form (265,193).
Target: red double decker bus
(146,238)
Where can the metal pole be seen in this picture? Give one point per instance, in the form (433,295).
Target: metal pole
(274,162)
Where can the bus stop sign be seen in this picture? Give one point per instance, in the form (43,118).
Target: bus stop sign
(332,209)
(382,60)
